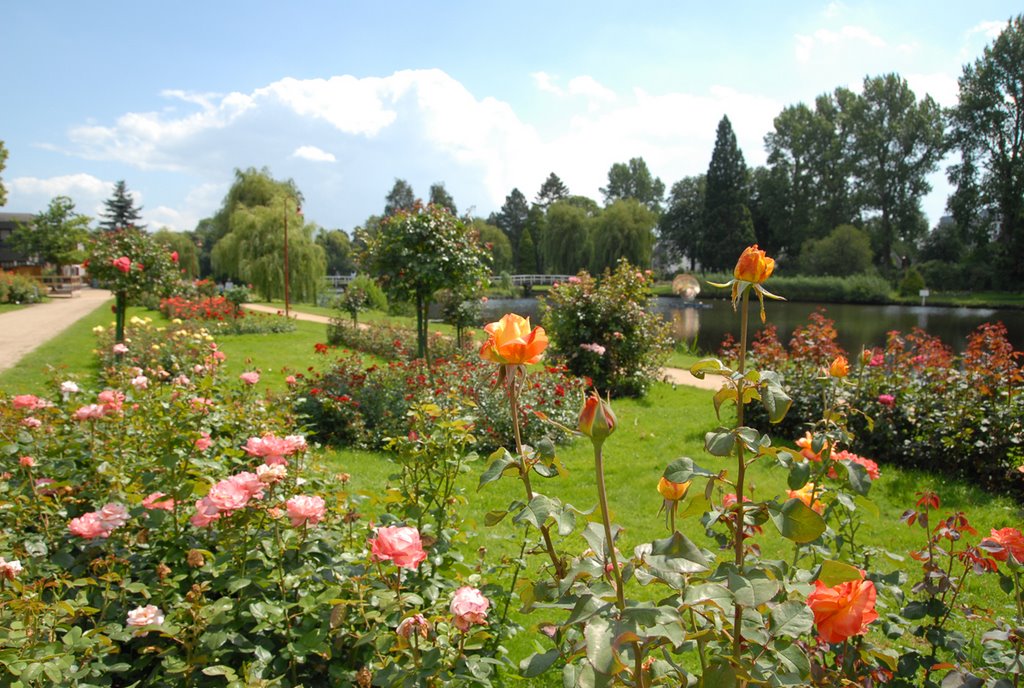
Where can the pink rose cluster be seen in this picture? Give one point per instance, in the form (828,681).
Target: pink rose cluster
(99,524)
(469,607)
(29,402)
(150,615)
(124,264)
(155,501)
(250,377)
(872,468)
(886,400)
(400,544)
(273,449)
(226,497)
(9,569)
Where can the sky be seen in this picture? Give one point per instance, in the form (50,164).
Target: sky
(345,97)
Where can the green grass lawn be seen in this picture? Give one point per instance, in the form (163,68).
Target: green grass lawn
(669,423)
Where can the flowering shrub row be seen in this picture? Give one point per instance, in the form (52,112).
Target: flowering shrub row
(389,341)
(351,403)
(223,315)
(180,532)
(922,406)
(18,288)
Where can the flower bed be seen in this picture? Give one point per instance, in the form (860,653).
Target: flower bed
(390,341)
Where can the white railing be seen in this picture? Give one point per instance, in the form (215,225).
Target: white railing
(339,282)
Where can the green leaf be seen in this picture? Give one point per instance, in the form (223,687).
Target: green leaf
(721,396)
(586,607)
(776,402)
(221,670)
(708,365)
(536,512)
(720,442)
(859,479)
(796,521)
(791,619)
(501,461)
(799,474)
(566,520)
(495,517)
(833,573)
(537,664)
(237,584)
(710,593)
(718,676)
(678,554)
(600,652)
(754,589)
(683,470)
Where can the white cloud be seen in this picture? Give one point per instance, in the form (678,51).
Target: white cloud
(546,82)
(987,29)
(849,36)
(313,154)
(66,185)
(941,86)
(589,88)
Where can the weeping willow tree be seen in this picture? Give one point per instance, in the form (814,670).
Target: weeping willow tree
(253,250)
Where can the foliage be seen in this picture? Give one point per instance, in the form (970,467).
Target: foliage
(183,243)
(602,329)
(496,243)
(119,211)
(3,164)
(400,198)
(247,585)
(415,253)
(387,340)
(352,404)
(682,224)
(726,218)
(854,289)
(634,180)
(511,219)
(553,189)
(625,229)
(15,288)
(912,282)
(57,235)
(338,252)
(845,251)
(567,238)
(986,129)
(439,196)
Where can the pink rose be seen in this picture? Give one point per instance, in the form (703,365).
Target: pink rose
(235,492)
(140,382)
(27,401)
(124,264)
(182,380)
(41,488)
(250,377)
(150,615)
(153,501)
(272,449)
(112,516)
(88,526)
(469,607)
(203,442)
(400,544)
(111,399)
(290,380)
(31,422)
(416,624)
(174,256)
(305,509)
(206,513)
(271,474)
(9,569)
(90,412)
(27,461)
(886,400)
(68,387)
(120,348)
(201,404)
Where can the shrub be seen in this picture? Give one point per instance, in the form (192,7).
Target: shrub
(352,404)
(911,283)
(18,288)
(845,251)
(853,289)
(602,329)
(388,341)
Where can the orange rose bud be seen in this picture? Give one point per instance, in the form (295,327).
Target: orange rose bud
(512,342)
(597,420)
(840,367)
(671,491)
(753,266)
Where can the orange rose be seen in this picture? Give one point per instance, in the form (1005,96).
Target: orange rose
(843,610)
(806,444)
(512,342)
(597,420)
(753,266)
(804,495)
(839,367)
(671,491)
(1012,542)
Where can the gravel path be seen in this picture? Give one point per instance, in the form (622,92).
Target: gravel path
(676,376)
(24,329)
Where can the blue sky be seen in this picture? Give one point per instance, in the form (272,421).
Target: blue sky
(344,97)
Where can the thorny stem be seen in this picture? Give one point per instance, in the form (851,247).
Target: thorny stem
(524,466)
(737,643)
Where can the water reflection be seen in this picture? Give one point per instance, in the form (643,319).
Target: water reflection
(859,326)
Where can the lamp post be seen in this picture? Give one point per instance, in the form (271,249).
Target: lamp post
(298,210)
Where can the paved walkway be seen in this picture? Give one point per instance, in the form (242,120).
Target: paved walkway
(24,329)
(676,376)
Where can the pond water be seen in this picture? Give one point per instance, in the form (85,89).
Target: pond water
(858,325)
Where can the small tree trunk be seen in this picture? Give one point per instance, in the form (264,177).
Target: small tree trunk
(421,328)
(120,305)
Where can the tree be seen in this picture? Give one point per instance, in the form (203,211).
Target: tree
(526,260)
(337,251)
(728,228)
(399,198)
(568,246)
(251,188)
(625,229)
(417,252)
(551,190)
(120,211)
(898,142)
(634,180)
(496,243)
(682,225)
(537,227)
(987,129)
(253,250)
(184,244)
(3,164)
(511,219)
(440,196)
(57,235)
(845,251)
